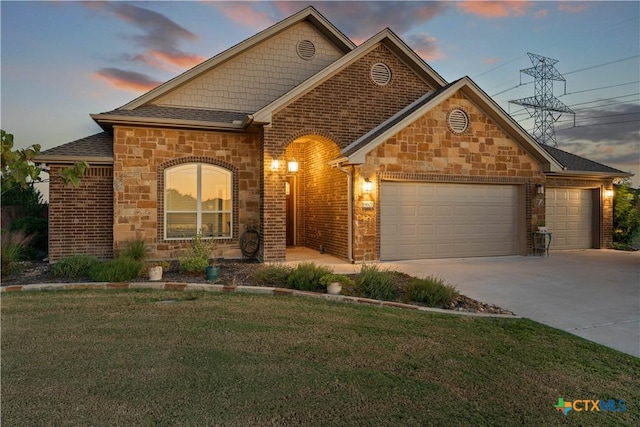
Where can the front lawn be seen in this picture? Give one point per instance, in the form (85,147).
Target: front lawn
(173,358)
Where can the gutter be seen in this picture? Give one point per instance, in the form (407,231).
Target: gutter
(338,165)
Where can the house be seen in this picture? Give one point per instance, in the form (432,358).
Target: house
(364,152)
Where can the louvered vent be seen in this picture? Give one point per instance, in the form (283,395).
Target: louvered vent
(458,121)
(380,74)
(306,49)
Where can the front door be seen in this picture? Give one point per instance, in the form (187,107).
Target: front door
(290,207)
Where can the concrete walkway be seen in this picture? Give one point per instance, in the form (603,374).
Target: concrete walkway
(594,294)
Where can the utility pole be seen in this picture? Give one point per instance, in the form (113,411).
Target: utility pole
(543,105)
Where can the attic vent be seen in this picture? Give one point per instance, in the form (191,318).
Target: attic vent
(306,49)
(458,121)
(380,74)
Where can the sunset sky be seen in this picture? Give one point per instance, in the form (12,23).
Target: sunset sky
(62,61)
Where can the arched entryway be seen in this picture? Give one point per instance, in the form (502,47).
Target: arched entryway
(316,197)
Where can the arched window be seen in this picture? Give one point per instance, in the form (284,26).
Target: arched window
(197,198)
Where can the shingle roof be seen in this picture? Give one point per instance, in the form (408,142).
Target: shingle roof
(95,146)
(176,113)
(577,163)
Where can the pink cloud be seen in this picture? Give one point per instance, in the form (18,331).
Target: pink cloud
(179,59)
(490,61)
(245,14)
(494,9)
(573,7)
(541,13)
(127,80)
(425,46)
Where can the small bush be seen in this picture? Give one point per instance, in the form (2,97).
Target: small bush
(73,267)
(328,279)
(134,249)
(274,275)
(196,259)
(118,270)
(306,277)
(13,249)
(431,291)
(375,283)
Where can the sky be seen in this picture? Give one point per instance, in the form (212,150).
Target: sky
(61,61)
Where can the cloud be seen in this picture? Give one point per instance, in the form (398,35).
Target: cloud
(425,46)
(494,9)
(159,37)
(128,80)
(358,20)
(573,7)
(490,61)
(541,13)
(618,123)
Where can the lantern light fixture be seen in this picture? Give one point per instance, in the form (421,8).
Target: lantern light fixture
(367,186)
(275,165)
(292,166)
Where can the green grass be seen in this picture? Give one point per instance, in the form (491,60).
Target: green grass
(125,358)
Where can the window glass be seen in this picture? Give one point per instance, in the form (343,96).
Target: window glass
(198,197)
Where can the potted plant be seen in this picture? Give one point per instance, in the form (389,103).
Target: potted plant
(212,273)
(542,227)
(334,282)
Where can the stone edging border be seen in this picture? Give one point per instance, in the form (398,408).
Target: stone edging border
(172,286)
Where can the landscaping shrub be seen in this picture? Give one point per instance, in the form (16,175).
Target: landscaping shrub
(327,279)
(13,249)
(36,226)
(306,277)
(196,259)
(375,283)
(275,275)
(431,291)
(118,270)
(73,267)
(134,249)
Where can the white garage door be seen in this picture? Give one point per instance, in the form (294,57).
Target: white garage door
(426,220)
(569,217)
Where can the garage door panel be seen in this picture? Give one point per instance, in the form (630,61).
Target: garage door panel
(454,220)
(569,217)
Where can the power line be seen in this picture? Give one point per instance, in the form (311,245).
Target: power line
(598,88)
(602,65)
(499,66)
(598,124)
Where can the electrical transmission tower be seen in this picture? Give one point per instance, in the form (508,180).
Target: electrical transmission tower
(545,106)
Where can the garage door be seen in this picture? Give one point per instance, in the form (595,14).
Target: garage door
(426,220)
(569,217)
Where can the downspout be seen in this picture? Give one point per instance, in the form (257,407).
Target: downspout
(349,174)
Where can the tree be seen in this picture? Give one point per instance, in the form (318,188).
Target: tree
(626,216)
(19,168)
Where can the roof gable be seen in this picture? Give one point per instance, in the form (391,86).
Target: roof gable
(355,153)
(386,37)
(95,149)
(308,22)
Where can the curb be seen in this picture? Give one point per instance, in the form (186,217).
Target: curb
(179,286)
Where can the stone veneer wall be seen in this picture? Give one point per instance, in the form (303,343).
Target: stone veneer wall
(604,221)
(341,109)
(140,157)
(428,151)
(81,218)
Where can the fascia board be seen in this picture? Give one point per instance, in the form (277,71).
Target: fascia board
(113,119)
(57,159)
(310,14)
(588,174)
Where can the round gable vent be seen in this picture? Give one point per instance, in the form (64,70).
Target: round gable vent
(380,74)
(458,121)
(306,49)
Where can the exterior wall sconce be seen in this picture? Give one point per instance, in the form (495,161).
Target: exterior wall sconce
(608,193)
(540,188)
(292,166)
(367,186)
(275,165)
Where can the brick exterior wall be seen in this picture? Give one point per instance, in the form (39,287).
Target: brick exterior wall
(428,151)
(140,157)
(340,110)
(81,218)
(603,222)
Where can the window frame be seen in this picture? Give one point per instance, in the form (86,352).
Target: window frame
(199,211)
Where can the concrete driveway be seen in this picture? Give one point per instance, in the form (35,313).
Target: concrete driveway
(594,294)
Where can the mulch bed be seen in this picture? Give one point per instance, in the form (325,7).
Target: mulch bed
(231,273)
